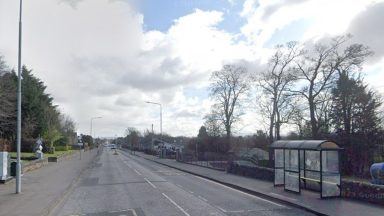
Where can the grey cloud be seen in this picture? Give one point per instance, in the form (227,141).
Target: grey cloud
(270,10)
(104,76)
(167,76)
(368,28)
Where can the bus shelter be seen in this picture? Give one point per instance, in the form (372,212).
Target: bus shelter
(308,164)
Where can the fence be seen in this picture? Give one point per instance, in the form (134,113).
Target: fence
(212,160)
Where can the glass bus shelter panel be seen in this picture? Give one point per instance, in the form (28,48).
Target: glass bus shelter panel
(291,170)
(292,182)
(279,167)
(330,185)
(279,176)
(312,160)
(330,160)
(330,175)
(312,180)
(279,158)
(291,162)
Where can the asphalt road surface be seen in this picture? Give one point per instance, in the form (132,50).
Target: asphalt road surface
(124,184)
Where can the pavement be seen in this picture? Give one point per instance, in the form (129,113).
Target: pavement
(307,200)
(124,184)
(42,189)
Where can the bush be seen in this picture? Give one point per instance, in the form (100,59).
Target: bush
(50,150)
(62,148)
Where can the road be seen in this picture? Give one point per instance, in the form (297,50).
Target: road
(124,184)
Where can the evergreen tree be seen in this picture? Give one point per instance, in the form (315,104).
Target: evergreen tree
(355,117)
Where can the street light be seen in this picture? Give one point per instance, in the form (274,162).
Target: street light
(93,118)
(18,142)
(161,117)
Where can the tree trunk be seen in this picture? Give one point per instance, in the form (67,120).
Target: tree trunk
(278,125)
(314,129)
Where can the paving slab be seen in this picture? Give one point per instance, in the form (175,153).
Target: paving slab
(43,188)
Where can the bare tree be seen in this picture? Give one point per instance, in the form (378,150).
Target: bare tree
(228,87)
(132,136)
(317,71)
(213,126)
(275,82)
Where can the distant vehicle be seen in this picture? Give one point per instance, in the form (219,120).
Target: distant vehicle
(112,146)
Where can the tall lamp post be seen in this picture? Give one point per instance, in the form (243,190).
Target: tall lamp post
(161,117)
(18,142)
(93,118)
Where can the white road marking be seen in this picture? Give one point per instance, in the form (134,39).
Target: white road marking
(223,210)
(190,192)
(138,173)
(174,203)
(236,211)
(154,186)
(202,198)
(250,195)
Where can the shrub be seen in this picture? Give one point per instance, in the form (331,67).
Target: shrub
(62,148)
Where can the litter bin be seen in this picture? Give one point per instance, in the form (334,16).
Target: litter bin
(13,168)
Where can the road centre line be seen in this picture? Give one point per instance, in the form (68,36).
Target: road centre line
(250,195)
(138,173)
(223,210)
(175,204)
(154,186)
(203,198)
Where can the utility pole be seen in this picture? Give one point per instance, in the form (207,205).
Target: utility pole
(93,118)
(161,117)
(18,165)
(152,140)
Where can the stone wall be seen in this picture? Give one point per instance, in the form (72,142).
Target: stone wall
(363,191)
(258,172)
(33,165)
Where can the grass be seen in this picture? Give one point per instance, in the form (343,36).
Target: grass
(30,154)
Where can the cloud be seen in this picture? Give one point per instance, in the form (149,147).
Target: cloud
(97,60)
(327,17)
(367,28)
(72,3)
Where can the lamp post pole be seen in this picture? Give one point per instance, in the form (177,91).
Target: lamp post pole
(93,118)
(18,142)
(161,117)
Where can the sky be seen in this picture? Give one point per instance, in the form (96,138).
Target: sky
(107,57)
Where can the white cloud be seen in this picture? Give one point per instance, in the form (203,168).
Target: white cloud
(326,17)
(96,59)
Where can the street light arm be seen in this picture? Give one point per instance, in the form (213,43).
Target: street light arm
(153,103)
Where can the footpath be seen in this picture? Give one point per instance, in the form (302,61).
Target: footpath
(307,200)
(43,189)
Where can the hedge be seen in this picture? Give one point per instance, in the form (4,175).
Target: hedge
(63,148)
